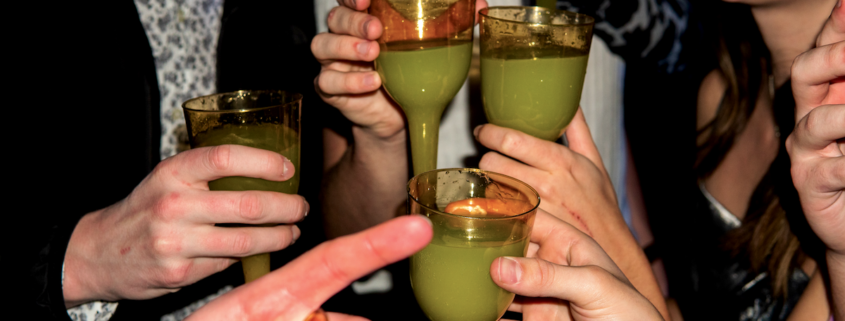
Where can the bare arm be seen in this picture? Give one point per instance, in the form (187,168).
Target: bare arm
(364,186)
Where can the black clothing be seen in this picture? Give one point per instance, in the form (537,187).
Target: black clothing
(97,132)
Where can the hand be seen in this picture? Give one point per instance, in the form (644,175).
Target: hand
(575,188)
(817,145)
(300,287)
(567,276)
(347,79)
(162,236)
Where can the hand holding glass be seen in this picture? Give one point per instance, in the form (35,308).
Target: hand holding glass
(477,216)
(425,52)
(266,119)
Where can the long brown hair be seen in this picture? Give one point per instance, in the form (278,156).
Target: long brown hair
(764,238)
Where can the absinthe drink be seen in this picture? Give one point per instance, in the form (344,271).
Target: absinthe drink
(535,91)
(451,278)
(273,137)
(422,77)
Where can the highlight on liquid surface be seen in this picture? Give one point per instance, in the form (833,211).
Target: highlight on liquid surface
(451,276)
(273,137)
(532,92)
(422,77)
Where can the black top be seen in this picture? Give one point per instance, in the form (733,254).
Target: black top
(88,129)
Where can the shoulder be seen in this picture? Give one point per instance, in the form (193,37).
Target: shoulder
(710,95)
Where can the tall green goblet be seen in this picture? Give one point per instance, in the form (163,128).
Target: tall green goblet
(533,63)
(265,119)
(477,216)
(424,58)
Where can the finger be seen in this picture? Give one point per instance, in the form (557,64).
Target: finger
(301,286)
(480,4)
(495,162)
(334,316)
(332,82)
(358,5)
(198,166)
(345,21)
(834,28)
(216,241)
(533,151)
(830,175)
(198,269)
(820,128)
(329,47)
(812,73)
(581,141)
(539,278)
(246,207)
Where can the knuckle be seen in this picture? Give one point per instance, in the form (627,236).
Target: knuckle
(166,208)
(219,158)
(165,246)
(546,274)
(241,244)
(813,123)
(250,206)
(510,143)
(177,274)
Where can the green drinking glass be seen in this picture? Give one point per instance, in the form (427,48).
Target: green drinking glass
(477,216)
(265,119)
(533,63)
(424,58)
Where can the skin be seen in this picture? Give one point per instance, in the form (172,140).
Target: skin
(162,237)
(788,28)
(575,188)
(578,280)
(567,276)
(375,162)
(817,145)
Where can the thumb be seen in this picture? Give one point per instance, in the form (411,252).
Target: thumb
(533,277)
(581,141)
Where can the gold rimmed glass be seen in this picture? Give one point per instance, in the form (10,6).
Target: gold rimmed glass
(477,216)
(533,64)
(424,58)
(265,119)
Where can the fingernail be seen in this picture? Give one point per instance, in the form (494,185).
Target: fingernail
(477,130)
(369,80)
(307,207)
(363,48)
(839,3)
(509,270)
(285,166)
(427,220)
(296,233)
(366,32)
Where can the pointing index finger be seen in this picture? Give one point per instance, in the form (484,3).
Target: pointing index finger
(300,287)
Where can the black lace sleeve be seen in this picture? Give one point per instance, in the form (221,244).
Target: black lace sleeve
(642,31)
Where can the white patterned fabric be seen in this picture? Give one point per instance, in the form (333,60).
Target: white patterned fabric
(183,35)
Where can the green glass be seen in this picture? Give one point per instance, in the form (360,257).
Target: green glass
(533,64)
(451,276)
(424,58)
(265,119)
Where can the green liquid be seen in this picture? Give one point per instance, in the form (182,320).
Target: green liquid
(272,137)
(538,96)
(423,81)
(451,279)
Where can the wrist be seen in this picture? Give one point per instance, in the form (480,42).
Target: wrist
(371,136)
(78,280)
